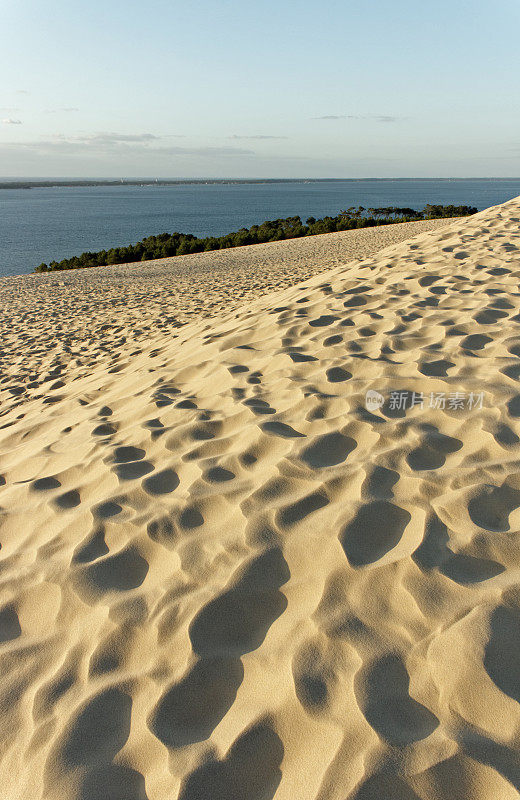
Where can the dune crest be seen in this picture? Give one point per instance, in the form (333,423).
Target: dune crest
(228,573)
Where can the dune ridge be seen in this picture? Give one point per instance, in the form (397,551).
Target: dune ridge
(55,323)
(225,578)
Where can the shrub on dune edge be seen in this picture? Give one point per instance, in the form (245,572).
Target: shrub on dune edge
(165,245)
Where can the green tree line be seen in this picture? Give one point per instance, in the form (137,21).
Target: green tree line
(165,245)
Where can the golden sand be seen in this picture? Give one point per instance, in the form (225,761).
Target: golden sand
(222,576)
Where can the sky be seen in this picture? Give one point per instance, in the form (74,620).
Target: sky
(206,89)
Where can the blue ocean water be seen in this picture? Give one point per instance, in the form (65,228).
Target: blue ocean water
(44,224)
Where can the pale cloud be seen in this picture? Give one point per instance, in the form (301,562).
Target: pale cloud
(112,138)
(11,121)
(373,117)
(135,145)
(258,136)
(66,110)
(384,118)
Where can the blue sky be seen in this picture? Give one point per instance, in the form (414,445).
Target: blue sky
(389,88)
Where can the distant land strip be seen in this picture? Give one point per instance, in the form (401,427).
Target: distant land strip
(166,182)
(68,182)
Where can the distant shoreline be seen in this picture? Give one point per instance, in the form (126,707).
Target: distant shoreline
(86,182)
(153,182)
(166,245)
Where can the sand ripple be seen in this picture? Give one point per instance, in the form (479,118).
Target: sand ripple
(224,577)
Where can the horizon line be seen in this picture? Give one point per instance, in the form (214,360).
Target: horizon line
(42,178)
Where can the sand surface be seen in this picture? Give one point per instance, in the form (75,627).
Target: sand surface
(84,317)
(222,576)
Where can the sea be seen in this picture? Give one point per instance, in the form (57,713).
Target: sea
(45,224)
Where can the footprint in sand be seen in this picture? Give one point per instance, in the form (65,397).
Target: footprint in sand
(489,316)
(379,483)
(133,470)
(219,475)
(381,690)
(436,369)
(127,453)
(502,655)
(375,530)
(323,321)
(9,624)
(238,620)
(496,271)
(106,510)
(432,452)
(105,429)
(45,484)
(384,786)
(91,741)
(328,450)
(428,280)
(512,371)
(505,436)
(259,406)
(191,518)
(118,573)
(94,547)
(153,424)
(313,676)
(300,358)
(98,731)
(466,570)
(186,404)
(492,505)
(163,531)
(191,709)
(129,464)
(162,482)
(296,512)
(68,500)
(476,341)
(113,782)
(232,624)
(331,340)
(249,771)
(338,374)
(513,406)
(280,429)
(355,301)
(514,350)
(358,289)
(52,690)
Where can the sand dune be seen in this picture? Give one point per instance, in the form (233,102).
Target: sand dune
(224,577)
(80,318)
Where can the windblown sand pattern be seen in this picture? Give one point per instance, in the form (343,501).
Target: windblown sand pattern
(224,578)
(78,319)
